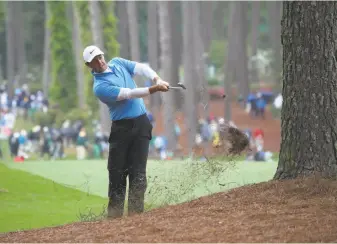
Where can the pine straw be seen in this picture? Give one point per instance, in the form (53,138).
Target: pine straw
(276,211)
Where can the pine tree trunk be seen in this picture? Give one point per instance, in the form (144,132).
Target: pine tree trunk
(21,68)
(275,37)
(241,51)
(133,30)
(230,61)
(78,48)
(153,48)
(176,47)
(309,111)
(199,61)
(190,101)
(10,46)
(46,53)
(167,63)
(254,39)
(123,29)
(97,33)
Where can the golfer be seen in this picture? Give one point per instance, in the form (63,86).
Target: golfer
(131,130)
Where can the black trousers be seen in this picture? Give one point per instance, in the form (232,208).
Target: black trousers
(128,151)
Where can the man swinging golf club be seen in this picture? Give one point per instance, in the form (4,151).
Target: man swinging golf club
(131,130)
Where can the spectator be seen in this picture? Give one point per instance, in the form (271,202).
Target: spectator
(81,144)
(260,106)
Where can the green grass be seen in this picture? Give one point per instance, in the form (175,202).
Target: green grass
(31,198)
(28,201)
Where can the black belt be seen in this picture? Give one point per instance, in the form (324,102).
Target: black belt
(130,121)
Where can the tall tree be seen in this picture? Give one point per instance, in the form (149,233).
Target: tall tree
(176,47)
(110,28)
(97,33)
(78,48)
(241,51)
(199,60)
(10,28)
(153,47)
(254,38)
(166,64)
(63,85)
(274,10)
(123,29)
(189,76)
(20,49)
(46,53)
(309,110)
(87,39)
(133,30)
(206,19)
(229,68)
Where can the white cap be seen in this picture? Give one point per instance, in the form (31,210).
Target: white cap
(90,52)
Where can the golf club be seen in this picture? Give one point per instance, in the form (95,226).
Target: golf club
(179,86)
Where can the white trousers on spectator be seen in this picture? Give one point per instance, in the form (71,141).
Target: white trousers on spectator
(81,152)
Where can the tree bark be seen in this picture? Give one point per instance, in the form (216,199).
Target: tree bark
(176,48)
(153,48)
(123,29)
(10,46)
(274,11)
(309,111)
(199,61)
(254,39)
(46,53)
(241,51)
(190,101)
(206,17)
(230,61)
(78,57)
(97,33)
(167,63)
(133,30)
(21,67)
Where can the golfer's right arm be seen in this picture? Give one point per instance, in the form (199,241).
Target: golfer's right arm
(113,93)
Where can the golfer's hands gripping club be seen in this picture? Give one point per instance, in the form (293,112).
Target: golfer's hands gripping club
(158,88)
(161,86)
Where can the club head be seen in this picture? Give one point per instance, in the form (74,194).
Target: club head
(179,86)
(182,85)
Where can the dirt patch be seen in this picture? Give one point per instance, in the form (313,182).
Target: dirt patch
(301,210)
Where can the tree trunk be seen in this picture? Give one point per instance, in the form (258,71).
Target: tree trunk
(176,48)
(199,61)
(275,33)
(190,101)
(206,18)
(254,39)
(10,46)
(78,48)
(153,48)
(97,33)
(167,63)
(133,30)
(309,111)
(241,51)
(230,61)
(123,36)
(21,68)
(46,53)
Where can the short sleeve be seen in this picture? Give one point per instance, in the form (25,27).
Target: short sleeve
(127,64)
(107,93)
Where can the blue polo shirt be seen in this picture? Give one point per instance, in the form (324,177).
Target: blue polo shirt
(107,86)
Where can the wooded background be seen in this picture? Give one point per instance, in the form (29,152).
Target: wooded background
(203,44)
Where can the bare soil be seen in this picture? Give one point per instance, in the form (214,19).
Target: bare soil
(301,210)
